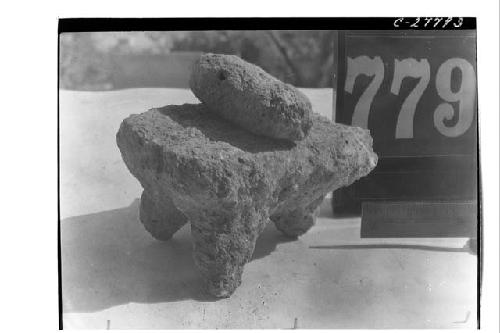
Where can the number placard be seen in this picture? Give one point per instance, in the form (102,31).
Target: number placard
(416,93)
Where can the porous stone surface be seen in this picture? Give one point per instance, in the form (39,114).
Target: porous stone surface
(228,183)
(250,97)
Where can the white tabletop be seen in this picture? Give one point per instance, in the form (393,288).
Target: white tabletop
(114,273)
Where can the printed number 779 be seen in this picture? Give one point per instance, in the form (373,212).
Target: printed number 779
(363,65)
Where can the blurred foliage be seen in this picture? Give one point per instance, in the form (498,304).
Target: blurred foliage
(302,58)
(81,65)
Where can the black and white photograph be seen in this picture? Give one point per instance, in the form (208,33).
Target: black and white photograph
(238,173)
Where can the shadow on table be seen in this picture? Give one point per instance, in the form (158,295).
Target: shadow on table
(108,259)
(390,246)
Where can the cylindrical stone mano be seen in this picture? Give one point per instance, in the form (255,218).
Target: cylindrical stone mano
(246,95)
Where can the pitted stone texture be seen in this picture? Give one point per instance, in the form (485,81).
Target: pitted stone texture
(228,182)
(295,222)
(250,97)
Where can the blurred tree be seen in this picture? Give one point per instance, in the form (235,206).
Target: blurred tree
(302,58)
(307,54)
(81,66)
